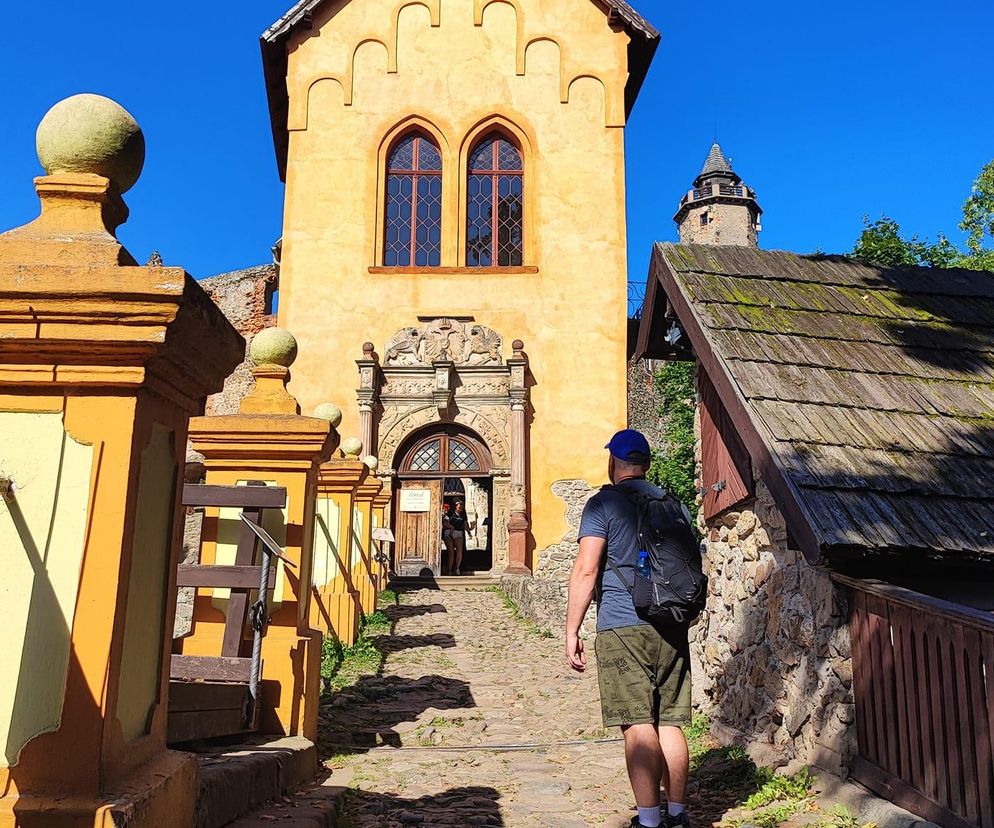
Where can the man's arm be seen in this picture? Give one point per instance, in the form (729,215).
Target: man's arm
(582,583)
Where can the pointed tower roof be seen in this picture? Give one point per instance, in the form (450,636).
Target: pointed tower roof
(715,162)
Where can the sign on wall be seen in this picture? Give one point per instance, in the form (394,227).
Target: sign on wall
(415,500)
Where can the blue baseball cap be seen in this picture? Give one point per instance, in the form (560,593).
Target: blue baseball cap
(631,446)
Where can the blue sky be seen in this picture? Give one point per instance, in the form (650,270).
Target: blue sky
(830,110)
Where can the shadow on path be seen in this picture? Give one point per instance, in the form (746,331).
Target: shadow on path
(455,807)
(395,643)
(398,612)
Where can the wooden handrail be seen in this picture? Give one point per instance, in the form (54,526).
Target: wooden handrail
(978,619)
(247,497)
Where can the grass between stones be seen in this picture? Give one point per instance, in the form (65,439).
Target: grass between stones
(728,789)
(342,666)
(528,624)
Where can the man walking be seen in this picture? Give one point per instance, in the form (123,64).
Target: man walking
(643,668)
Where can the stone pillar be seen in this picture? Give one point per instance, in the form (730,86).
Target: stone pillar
(335,609)
(369,396)
(268,441)
(102,363)
(518,524)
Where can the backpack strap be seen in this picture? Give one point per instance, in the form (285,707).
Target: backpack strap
(633,498)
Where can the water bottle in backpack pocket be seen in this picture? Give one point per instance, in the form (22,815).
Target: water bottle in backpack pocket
(669,584)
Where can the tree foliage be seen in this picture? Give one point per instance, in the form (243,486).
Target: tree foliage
(881,241)
(673,462)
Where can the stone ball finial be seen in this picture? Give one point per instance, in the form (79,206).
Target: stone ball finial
(273,346)
(518,345)
(351,446)
(368,349)
(370,462)
(330,412)
(92,134)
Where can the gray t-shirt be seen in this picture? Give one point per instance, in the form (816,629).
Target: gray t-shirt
(612,516)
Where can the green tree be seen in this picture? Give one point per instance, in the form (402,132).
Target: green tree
(673,461)
(881,241)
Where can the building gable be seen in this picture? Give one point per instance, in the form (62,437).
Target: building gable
(306,16)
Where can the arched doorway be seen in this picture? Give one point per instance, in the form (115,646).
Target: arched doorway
(442,464)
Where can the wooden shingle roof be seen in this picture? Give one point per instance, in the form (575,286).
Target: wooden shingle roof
(867,392)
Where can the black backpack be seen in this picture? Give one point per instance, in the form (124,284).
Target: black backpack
(677,588)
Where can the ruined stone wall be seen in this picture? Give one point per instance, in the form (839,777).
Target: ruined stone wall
(244,296)
(542,597)
(771,657)
(643,401)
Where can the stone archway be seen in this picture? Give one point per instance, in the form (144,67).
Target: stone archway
(453,371)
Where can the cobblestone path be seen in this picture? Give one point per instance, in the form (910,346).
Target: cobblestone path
(425,742)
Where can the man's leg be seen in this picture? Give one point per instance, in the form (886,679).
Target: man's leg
(645,763)
(676,763)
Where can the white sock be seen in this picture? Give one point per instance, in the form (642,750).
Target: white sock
(651,817)
(675,808)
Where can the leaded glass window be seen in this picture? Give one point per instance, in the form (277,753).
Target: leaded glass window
(428,457)
(495,204)
(413,226)
(461,457)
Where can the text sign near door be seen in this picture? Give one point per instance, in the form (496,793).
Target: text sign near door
(415,500)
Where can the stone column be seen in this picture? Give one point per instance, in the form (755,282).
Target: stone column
(369,396)
(336,606)
(102,363)
(518,524)
(269,441)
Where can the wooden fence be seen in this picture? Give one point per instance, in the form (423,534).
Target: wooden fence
(211,696)
(923,680)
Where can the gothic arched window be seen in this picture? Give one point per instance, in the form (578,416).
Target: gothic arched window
(495,204)
(413,226)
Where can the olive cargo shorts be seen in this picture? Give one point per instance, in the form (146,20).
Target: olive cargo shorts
(644,676)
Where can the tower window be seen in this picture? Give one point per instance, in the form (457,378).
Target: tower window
(705,218)
(495,204)
(413,226)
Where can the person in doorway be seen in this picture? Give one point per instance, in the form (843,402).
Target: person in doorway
(461,524)
(643,669)
(447,542)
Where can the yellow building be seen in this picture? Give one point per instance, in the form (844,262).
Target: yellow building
(489,332)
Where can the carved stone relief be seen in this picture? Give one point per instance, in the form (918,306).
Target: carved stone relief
(462,343)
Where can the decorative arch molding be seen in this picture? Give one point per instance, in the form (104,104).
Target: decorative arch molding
(614,114)
(561,51)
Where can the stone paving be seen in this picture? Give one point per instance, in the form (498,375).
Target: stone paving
(463,680)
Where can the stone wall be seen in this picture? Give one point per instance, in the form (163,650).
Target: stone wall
(771,658)
(643,401)
(542,597)
(245,298)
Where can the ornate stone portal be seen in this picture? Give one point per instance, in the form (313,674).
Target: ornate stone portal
(447,371)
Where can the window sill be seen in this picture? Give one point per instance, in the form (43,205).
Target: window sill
(456,271)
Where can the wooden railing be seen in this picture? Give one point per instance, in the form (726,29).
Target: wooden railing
(213,696)
(923,680)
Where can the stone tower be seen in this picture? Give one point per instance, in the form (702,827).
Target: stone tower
(720,209)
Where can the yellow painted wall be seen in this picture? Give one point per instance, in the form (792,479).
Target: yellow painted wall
(141,658)
(327,525)
(365,70)
(42,532)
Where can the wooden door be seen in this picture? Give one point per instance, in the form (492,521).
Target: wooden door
(419,527)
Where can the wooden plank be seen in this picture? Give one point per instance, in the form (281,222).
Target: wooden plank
(979,727)
(965,724)
(865,731)
(230,577)
(936,703)
(899,621)
(209,668)
(924,683)
(255,496)
(910,644)
(950,680)
(987,651)
(190,726)
(193,696)
(237,610)
(881,679)
(903,795)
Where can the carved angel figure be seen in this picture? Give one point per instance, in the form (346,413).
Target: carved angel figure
(482,346)
(402,349)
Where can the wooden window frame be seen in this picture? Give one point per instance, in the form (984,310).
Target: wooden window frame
(495,174)
(479,451)
(415,174)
